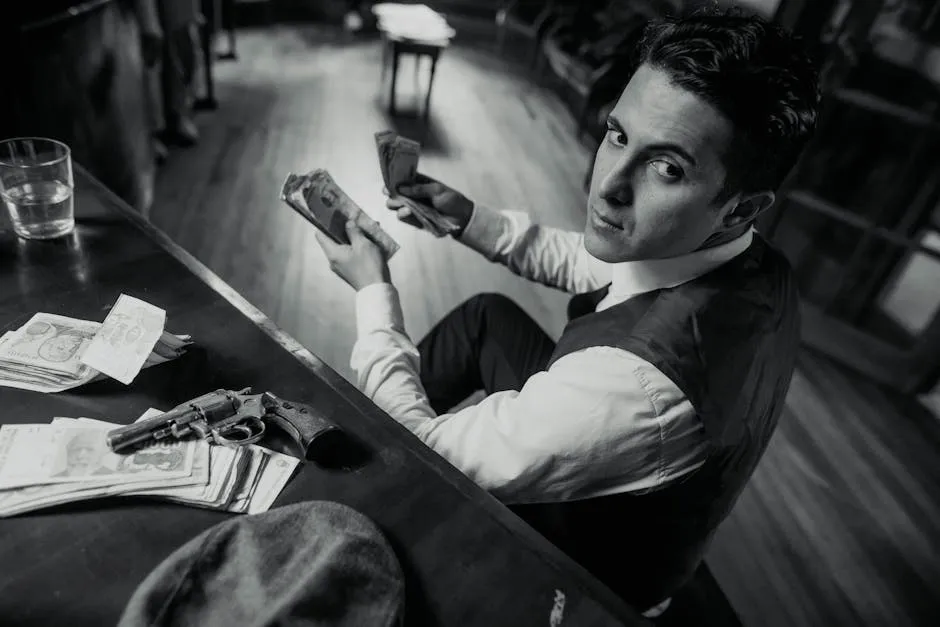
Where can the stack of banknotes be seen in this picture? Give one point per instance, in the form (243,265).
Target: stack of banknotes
(43,465)
(319,199)
(398,160)
(52,353)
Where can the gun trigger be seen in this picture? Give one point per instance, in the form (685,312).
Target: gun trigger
(201,427)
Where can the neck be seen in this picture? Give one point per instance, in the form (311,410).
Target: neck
(723,237)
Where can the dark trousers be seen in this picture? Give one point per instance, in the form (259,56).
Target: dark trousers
(487,343)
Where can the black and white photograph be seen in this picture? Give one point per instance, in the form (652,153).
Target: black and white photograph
(470,313)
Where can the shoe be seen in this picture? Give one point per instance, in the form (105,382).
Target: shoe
(160,151)
(184,133)
(658,610)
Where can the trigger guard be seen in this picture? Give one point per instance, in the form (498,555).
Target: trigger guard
(253,430)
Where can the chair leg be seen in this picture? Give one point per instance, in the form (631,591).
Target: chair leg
(391,100)
(427,99)
(582,116)
(228,23)
(385,46)
(208,102)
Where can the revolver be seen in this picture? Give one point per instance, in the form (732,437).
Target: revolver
(231,419)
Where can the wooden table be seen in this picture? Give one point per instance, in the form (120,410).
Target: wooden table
(394,47)
(467,559)
(415,30)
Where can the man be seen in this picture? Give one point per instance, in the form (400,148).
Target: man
(628,442)
(84,453)
(179,21)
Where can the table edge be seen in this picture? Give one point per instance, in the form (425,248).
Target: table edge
(449,473)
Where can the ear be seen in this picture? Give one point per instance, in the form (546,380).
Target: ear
(747,209)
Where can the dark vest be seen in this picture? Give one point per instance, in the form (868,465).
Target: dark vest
(728,340)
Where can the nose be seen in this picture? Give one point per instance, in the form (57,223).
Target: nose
(616,186)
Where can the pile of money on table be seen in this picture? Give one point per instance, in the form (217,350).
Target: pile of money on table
(43,465)
(398,159)
(53,353)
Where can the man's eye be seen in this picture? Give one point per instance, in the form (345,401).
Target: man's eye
(669,171)
(616,136)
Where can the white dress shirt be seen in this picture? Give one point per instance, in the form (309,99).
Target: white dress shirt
(599,421)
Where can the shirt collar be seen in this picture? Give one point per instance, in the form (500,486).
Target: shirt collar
(630,278)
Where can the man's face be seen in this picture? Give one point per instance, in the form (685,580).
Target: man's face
(60,347)
(83,455)
(657,173)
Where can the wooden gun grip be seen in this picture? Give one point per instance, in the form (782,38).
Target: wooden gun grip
(314,434)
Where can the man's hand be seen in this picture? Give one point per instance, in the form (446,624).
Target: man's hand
(434,194)
(360,263)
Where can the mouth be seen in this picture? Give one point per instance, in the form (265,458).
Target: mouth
(603,222)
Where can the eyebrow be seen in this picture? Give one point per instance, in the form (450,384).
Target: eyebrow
(660,146)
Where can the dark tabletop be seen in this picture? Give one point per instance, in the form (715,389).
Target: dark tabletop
(467,559)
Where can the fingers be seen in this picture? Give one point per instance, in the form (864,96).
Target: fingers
(406,215)
(395,203)
(420,190)
(330,248)
(354,232)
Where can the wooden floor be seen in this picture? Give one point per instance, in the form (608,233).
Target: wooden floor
(298,100)
(841,523)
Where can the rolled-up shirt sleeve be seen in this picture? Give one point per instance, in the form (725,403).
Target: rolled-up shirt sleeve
(543,254)
(599,421)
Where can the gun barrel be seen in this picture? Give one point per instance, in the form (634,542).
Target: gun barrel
(148,430)
(175,423)
(128,437)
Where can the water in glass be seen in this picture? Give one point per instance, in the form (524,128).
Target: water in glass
(40,209)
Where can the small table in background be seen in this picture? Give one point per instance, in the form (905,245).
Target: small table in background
(411,29)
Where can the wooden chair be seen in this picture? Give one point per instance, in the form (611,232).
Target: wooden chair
(528,18)
(596,68)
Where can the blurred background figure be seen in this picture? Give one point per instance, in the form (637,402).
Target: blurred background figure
(151,45)
(179,20)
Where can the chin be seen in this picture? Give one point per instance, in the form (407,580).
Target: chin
(606,249)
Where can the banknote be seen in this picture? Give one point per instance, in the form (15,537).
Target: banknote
(45,354)
(234,477)
(224,471)
(398,160)
(323,189)
(18,500)
(38,454)
(240,479)
(200,485)
(319,199)
(227,470)
(258,459)
(331,223)
(383,144)
(98,484)
(29,498)
(277,472)
(50,343)
(125,339)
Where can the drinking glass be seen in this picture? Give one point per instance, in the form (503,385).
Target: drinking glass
(36,186)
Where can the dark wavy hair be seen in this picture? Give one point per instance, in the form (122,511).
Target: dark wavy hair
(755,73)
